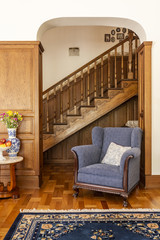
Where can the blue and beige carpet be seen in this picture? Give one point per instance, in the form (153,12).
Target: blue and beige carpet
(84,225)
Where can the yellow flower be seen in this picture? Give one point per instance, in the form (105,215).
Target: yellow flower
(10,113)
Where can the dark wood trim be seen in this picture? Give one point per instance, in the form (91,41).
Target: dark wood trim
(144,105)
(125,176)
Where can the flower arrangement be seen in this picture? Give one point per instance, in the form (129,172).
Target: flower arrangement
(11,119)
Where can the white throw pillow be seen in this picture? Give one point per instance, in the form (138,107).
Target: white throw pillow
(114,154)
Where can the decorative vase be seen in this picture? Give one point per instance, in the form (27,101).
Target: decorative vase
(14,149)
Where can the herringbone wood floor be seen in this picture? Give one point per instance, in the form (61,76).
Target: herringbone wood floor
(56,193)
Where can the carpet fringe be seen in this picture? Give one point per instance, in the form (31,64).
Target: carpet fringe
(89,210)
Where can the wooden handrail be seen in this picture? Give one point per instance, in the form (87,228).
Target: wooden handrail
(89,63)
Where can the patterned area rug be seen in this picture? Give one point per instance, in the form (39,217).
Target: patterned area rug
(83,225)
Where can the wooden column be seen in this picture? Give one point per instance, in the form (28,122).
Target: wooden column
(122,62)
(144,105)
(68,85)
(21,91)
(82,90)
(75,97)
(130,73)
(136,60)
(47,111)
(88,92)
(61,103)
(109,71)
(102,77)
(95,79)
(55,106)
(115,69)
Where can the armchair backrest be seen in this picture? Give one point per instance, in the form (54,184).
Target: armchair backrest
(102,137)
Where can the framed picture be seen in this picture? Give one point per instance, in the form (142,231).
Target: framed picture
(120,36)
(113,32)
(112,39)
(124,30)
(118,29)
(74,51)
(107,37)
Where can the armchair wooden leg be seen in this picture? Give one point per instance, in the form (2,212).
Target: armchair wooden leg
(76,189)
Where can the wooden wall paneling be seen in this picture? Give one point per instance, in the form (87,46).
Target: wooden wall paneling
(120,116)
(117,117)
(74,140)
(106,121)
(21,90)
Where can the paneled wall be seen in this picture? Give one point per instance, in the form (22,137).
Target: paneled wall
(116,118)
(21,90)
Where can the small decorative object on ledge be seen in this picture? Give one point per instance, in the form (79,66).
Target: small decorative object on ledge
(12,120)
(133,123)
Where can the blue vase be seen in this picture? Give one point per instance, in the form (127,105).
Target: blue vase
(14,149)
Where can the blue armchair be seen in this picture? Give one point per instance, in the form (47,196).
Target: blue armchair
(118,177)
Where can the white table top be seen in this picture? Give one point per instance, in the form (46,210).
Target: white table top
(11,160)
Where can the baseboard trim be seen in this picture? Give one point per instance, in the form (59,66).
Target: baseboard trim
(28,182)
(58,161)
(152,181)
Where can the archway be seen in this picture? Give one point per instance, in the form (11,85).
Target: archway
(93,21)
(120,22)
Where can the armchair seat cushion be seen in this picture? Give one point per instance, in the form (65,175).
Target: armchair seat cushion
(101,174)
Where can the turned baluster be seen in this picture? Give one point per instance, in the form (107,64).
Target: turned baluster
(88,92)
(109,71)
(75,99)
(47,111)
(82,87)
(61,103)
(55,106)
(122,61)
(95,79)
(68,85)
(130,73)
(115,69)
(101,76)
(136,60)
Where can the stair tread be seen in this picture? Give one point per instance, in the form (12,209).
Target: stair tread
(128,80)
(60,123)
(101,98)
(73,115)
(86,106)
(118,88)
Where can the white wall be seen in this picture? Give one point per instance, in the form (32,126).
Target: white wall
(20,20)
(57,63)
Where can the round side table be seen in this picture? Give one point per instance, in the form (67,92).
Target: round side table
(10,190)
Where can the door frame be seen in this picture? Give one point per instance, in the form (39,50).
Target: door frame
(144,109)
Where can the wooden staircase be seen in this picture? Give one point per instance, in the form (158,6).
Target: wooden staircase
(90,92)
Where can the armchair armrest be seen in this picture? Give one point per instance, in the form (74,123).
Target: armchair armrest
(130,168)
(132,153)
(87,154)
